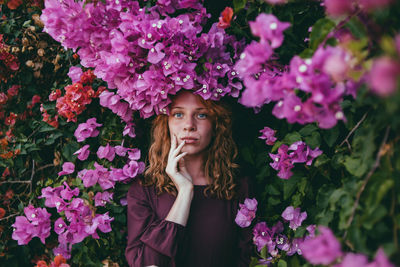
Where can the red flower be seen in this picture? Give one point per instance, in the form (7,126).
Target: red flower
(3,98)
(2,213)
(11,119)
(14,4)
(54,95)
(35,99)
(58,260)
(41,264)
(6,173)
(10,193)
(225,18)
(13,90)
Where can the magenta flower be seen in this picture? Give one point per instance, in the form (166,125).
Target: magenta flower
(294,216)
(67,193)
(246,213)
(322,249)
(380,260)
(265,236)
(67,168)
(383,76)
(35,223)
(295,246)
(282,162)
(83,152)
(75,74)
(336,8)
(371,5)
(87,129)
(269,29)
(107,152)
(268,135)
(101,199)
(351,260)
(276,2)
(303,153)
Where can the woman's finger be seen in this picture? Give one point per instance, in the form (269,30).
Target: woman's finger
(178,158)
(178,149)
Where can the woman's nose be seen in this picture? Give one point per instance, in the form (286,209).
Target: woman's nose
(189,124)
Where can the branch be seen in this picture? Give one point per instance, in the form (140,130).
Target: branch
(15,182)
(346,140)
(366,180)
(8,217)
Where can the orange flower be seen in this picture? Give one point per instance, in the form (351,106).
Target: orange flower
(58,260)
(3,143)
(2,212)
(225,18)
(14,4)
(41,264)
(9,194)
(7,155)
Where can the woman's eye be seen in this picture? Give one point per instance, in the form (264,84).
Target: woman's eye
(202,116)
(178,115)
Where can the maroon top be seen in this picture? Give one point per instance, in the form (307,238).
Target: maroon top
(211,237)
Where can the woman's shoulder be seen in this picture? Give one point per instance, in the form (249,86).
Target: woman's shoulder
(138,189)
(244,183)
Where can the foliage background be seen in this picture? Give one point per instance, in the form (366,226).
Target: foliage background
(353,187)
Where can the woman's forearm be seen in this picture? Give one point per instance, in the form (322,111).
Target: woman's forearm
(179,211)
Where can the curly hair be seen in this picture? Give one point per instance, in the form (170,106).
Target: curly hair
(219,161)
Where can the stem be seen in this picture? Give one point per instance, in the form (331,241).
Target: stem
(346,140)
(15,182)
(366,180)
(8,217)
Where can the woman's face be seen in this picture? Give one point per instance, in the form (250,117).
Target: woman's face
(189,120)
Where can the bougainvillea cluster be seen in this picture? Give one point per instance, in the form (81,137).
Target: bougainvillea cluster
(307,90)
(283,161)
(9,63)
(273,239)
(144,52)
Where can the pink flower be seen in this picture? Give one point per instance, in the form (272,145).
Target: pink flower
(294,216)
(87,129)
(282,162)
(322,249)
(268,135)
(276,2)
(336,8)
(380,260)
(67,168)
(101,199)
(351,260)
(371,5)
(75,74)
(107,152)
(383,76)
(35,223)
(83,152)
(13,90)
(246,213)
(269,29)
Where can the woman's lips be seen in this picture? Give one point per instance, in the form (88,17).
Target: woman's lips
(189,140)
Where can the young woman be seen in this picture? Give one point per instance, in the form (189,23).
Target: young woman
(182,212)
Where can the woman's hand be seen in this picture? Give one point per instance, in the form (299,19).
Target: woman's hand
(176,168)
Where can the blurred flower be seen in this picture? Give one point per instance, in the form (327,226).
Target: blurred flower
(322,249)
(372,5)
(276,2)
(14,4)
(269,29)
(336,8)
(13,90)
(352,259)
(225,18)
(383,77)
(380,260)
(2,212)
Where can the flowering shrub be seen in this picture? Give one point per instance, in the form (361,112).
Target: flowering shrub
(72,134)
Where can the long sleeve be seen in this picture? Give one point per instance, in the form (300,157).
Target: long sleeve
(151,240)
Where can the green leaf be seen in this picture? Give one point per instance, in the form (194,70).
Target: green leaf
(290,138)
(68,151)
(356,27)
(239,4)
(319,31)
(46,128)
(290,185)
(282,263)
(314,140)
(264,252)
(308,130)
(355,166)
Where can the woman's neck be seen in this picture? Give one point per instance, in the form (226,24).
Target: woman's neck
(195,167)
